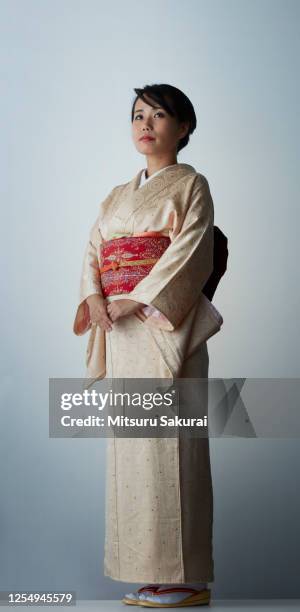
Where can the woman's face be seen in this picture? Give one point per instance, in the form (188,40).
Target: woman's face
(162,130)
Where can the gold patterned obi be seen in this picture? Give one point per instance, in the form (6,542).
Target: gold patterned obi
(126,260)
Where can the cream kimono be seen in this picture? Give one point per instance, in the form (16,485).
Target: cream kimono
(159,502)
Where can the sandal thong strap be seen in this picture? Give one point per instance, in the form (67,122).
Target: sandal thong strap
(180,590)
(152,588)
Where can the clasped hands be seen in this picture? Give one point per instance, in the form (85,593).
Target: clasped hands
(104,314)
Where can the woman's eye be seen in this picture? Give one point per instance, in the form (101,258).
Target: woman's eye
(158,113)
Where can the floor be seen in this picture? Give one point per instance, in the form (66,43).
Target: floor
(268,605)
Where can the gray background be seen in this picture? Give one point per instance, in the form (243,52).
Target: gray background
(68,72)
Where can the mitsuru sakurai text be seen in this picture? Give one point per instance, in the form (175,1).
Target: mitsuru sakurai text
(163,421)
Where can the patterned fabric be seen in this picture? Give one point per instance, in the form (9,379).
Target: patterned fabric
(126,261)
(145,179)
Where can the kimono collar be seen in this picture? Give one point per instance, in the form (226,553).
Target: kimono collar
(132,197)
(167,173)
(145,178)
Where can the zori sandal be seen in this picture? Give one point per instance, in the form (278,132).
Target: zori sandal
(134,599)
(175,597)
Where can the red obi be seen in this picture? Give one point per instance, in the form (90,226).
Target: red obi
(127,260)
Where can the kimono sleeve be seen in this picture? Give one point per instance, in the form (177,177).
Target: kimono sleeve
(175,282)
(90,282)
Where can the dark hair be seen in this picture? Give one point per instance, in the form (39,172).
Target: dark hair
(173,101)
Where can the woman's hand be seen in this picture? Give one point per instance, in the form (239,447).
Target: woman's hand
(98,311)
(122,307)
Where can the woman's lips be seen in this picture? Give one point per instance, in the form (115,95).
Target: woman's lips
(146,139)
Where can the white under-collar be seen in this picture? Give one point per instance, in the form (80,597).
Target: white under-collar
(144,180)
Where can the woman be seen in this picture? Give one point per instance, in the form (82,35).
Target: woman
(149,255)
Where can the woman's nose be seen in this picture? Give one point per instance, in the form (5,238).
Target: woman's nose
(147,124)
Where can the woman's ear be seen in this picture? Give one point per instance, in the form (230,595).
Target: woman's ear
(184,128)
